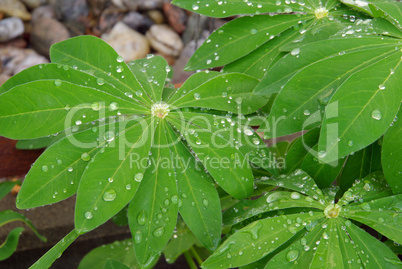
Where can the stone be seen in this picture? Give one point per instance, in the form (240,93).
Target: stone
(156,16)
(147,4)
(96,7)
(137,21)
(43,12)
(19,42)
(72,10)
(109,18)
(14,8)
(15,60)
(4,78)
(176,17)
(128,43)
(46,32)
(10,28)
(75,28)
(165,40)
(195,25)
(32,4)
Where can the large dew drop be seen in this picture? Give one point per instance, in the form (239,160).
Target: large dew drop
(376,114)
(85,157)
(138,237)
(158,232)
(292,255)
(138,177)
(142,217)
(88,215)
(109,195)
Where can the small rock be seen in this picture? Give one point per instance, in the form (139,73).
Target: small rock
(137,21)
(16,43)
(128,43)
(32,4)
(45,33)
(146,4)
(10,28)
(119,4)
(75,28)
(176,17)
(72,10)
(14,8)
(156,16)
(195,25)
(43,12)
(15,60)
(109,18)
(164,40)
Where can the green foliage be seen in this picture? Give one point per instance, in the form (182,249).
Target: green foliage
(167,161)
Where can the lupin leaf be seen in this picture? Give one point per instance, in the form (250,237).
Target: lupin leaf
(10,245)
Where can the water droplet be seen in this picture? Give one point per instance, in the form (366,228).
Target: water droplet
(113,106)
(350,143)
(292,255)
(59,161)
(295,52)
(100,81)
(138,237)
(295,195)
(195,7)
(119,59)
(88,215)
(96,106)
(256,141)
(158,232)
(119,69)
(175,199)
(128,187)
(381,87)
(109,195)
(109,136)
(138,93)
(70,169)
(376,114)
(57,82)
(322,154)
(205,202)
(306,112)
(138,177)
(380,219)
(85,157)
(239,100)
(224,94)
(142,217)
(253,31)
(197,96)
(45,168)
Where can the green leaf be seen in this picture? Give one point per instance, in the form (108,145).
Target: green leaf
(298,181)
(113,264)
(379,98)
(257,240)
(8,216)
(105,64)
(200,209)
(111,180)
(300,148)
(6,187)
(10,245)
(222,9)
(270,201)
(151,73)
(55,252)
(38,143)
(371,251)
(391,155)
(23,107)
(121,251)
(152,213)
(383,215)
(227,92)
(233,40)
(392,11)
(371,187)
(236,178)
(181,242)
(323,174)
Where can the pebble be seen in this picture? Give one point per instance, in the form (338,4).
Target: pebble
(127,42)
(156,16)
(176,17)
(32,4)
(14,8)
(109,18)
(137,21)
(71,10)
(10,28)
(195,25)
(15,60)
(96,7)
(3,78)
(46,32)
(164,40)
(134,5)
(43,12)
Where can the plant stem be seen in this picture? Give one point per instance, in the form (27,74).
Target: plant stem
(189,260)
(196,256)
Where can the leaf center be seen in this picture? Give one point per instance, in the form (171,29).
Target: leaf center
(332,211)
(160,109)
(320,12)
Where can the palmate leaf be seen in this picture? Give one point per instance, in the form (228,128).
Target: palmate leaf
(108,117)
(324,239)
